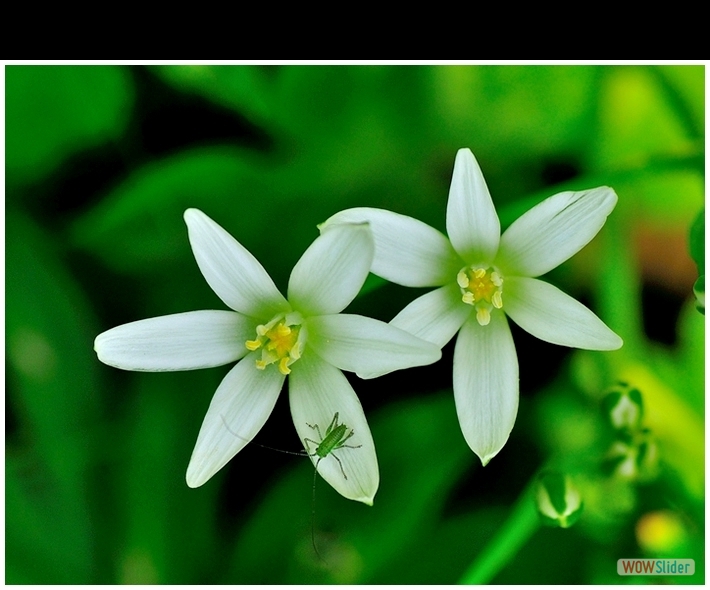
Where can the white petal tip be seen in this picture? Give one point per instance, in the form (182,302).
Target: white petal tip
(195,480)
(486,459)
(363,375)
(610,342)
(326,225)
(617,344)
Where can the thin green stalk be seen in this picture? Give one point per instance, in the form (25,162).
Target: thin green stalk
(520,526)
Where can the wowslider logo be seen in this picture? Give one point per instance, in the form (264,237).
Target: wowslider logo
(655,567)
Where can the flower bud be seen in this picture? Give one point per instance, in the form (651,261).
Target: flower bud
(634,460)
(623,407)
(699,292)
(558,500)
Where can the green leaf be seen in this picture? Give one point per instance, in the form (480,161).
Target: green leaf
(170,530)
(54,392)
(246,89)
(52,112)
(637,120)
(139,224)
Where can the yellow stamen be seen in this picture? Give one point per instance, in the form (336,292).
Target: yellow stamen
(462,279)
(283,366)
(481,288)
(483,315)
(281,341)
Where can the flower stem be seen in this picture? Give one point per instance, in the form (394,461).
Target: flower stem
(520,526)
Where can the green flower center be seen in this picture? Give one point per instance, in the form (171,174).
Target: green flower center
(281,341)
(483,289)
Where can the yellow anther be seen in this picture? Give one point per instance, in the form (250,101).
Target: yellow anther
(283,366)
(481,288)
(252,344)
(483,315)
(281,341)
(462,279)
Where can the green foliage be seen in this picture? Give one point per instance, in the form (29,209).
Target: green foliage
(697,251)
(52,113)
(96,458)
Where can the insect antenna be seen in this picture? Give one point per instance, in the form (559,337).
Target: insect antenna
(297,453)
(313,514)
(315,477)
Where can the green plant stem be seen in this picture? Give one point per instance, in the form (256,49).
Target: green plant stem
(520,526)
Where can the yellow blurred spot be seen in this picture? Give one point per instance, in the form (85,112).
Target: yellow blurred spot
(660,532)
(137,567)
(31,353)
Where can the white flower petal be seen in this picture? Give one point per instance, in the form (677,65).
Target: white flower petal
(317,391)
(435,316)
(239,408)
(471,219)
(332,270)
(407,251)
(486,384)
(178,342)
(231,271)
(553,316)
(367,346)
(553,231)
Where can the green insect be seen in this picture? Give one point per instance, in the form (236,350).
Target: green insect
(334,439)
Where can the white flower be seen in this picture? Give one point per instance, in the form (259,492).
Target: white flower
(305,337)
(481,275)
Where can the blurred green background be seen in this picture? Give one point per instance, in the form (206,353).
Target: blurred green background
(101,162)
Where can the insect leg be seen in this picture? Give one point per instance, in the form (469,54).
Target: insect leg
(308,448)
(348,436)
(333,424)
(315,427)
(339,463)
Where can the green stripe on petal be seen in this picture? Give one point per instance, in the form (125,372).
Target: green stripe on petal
(553,316)
(332,270)
(231,271)
(553,231)
(407,251)
(435,316)
(317,390)
(178,342)
(367,346)
(240,407)
(486,384)
(471,219)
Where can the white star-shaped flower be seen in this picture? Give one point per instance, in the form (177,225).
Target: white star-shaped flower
(304,336)
(482,276)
